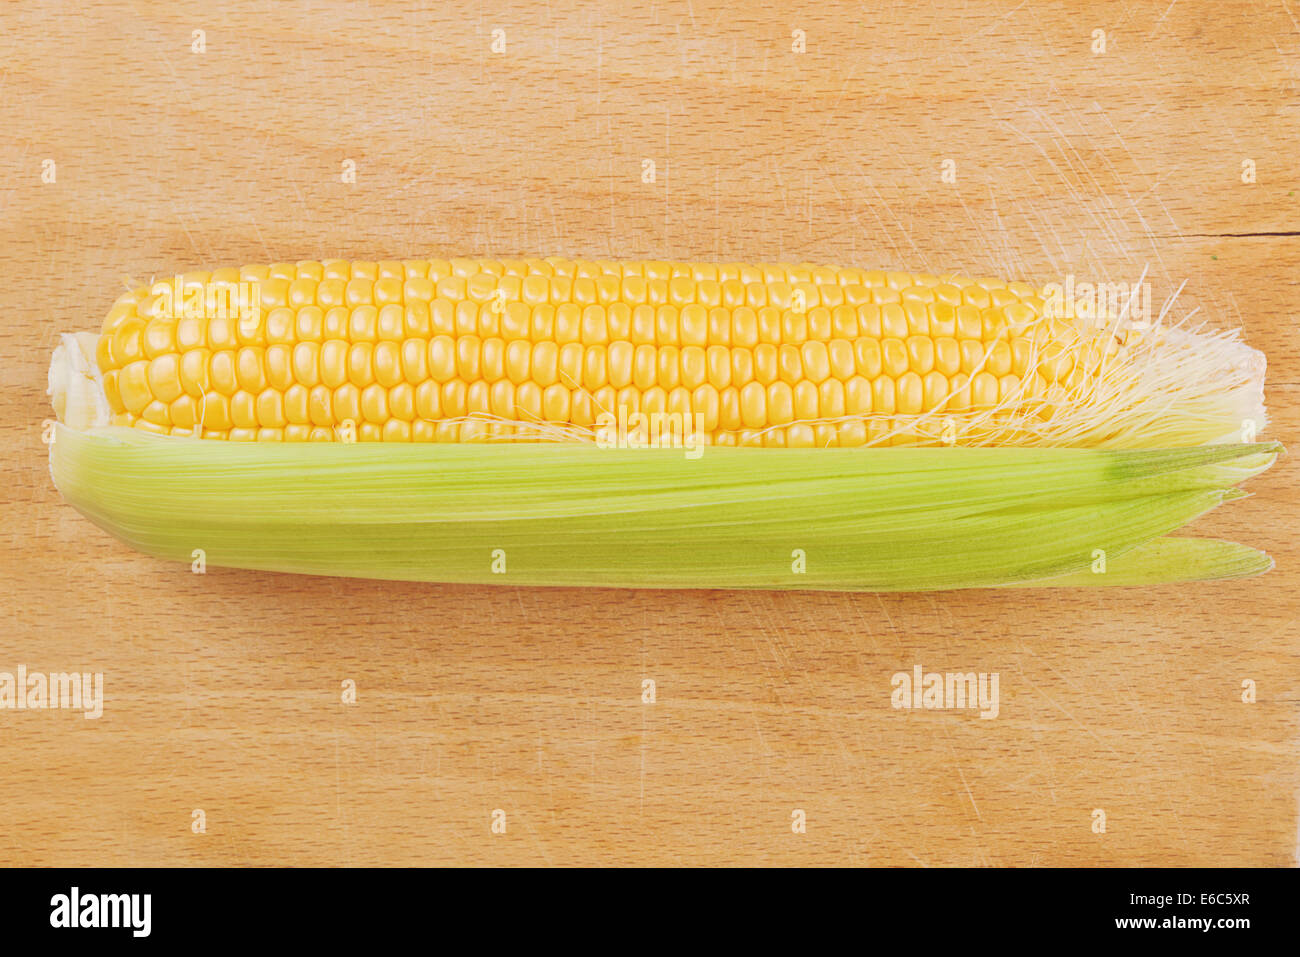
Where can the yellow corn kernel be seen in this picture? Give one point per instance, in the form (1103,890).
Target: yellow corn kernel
(778,355)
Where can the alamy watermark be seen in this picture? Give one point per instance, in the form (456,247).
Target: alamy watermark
(953,690)
(24,690)
(1099,302)
(177,299)
(651,430)
(75,909)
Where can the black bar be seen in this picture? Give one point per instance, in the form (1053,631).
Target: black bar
(945,907)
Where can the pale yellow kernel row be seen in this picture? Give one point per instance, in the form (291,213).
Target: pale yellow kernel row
(132,338)
(199,371)
(465,268)
(215,296)
(753,405)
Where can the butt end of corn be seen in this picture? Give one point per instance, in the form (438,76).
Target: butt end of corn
(75,386)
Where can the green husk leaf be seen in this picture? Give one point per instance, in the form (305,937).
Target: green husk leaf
(1166,560)
(852,519)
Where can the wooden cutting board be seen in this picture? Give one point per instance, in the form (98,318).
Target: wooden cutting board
(990,137)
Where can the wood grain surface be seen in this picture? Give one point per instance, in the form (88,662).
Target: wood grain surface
(223,691)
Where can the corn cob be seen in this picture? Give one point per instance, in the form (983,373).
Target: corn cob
(773,356)
(480,387)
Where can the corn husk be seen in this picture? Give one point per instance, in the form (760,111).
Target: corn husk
(574,514)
